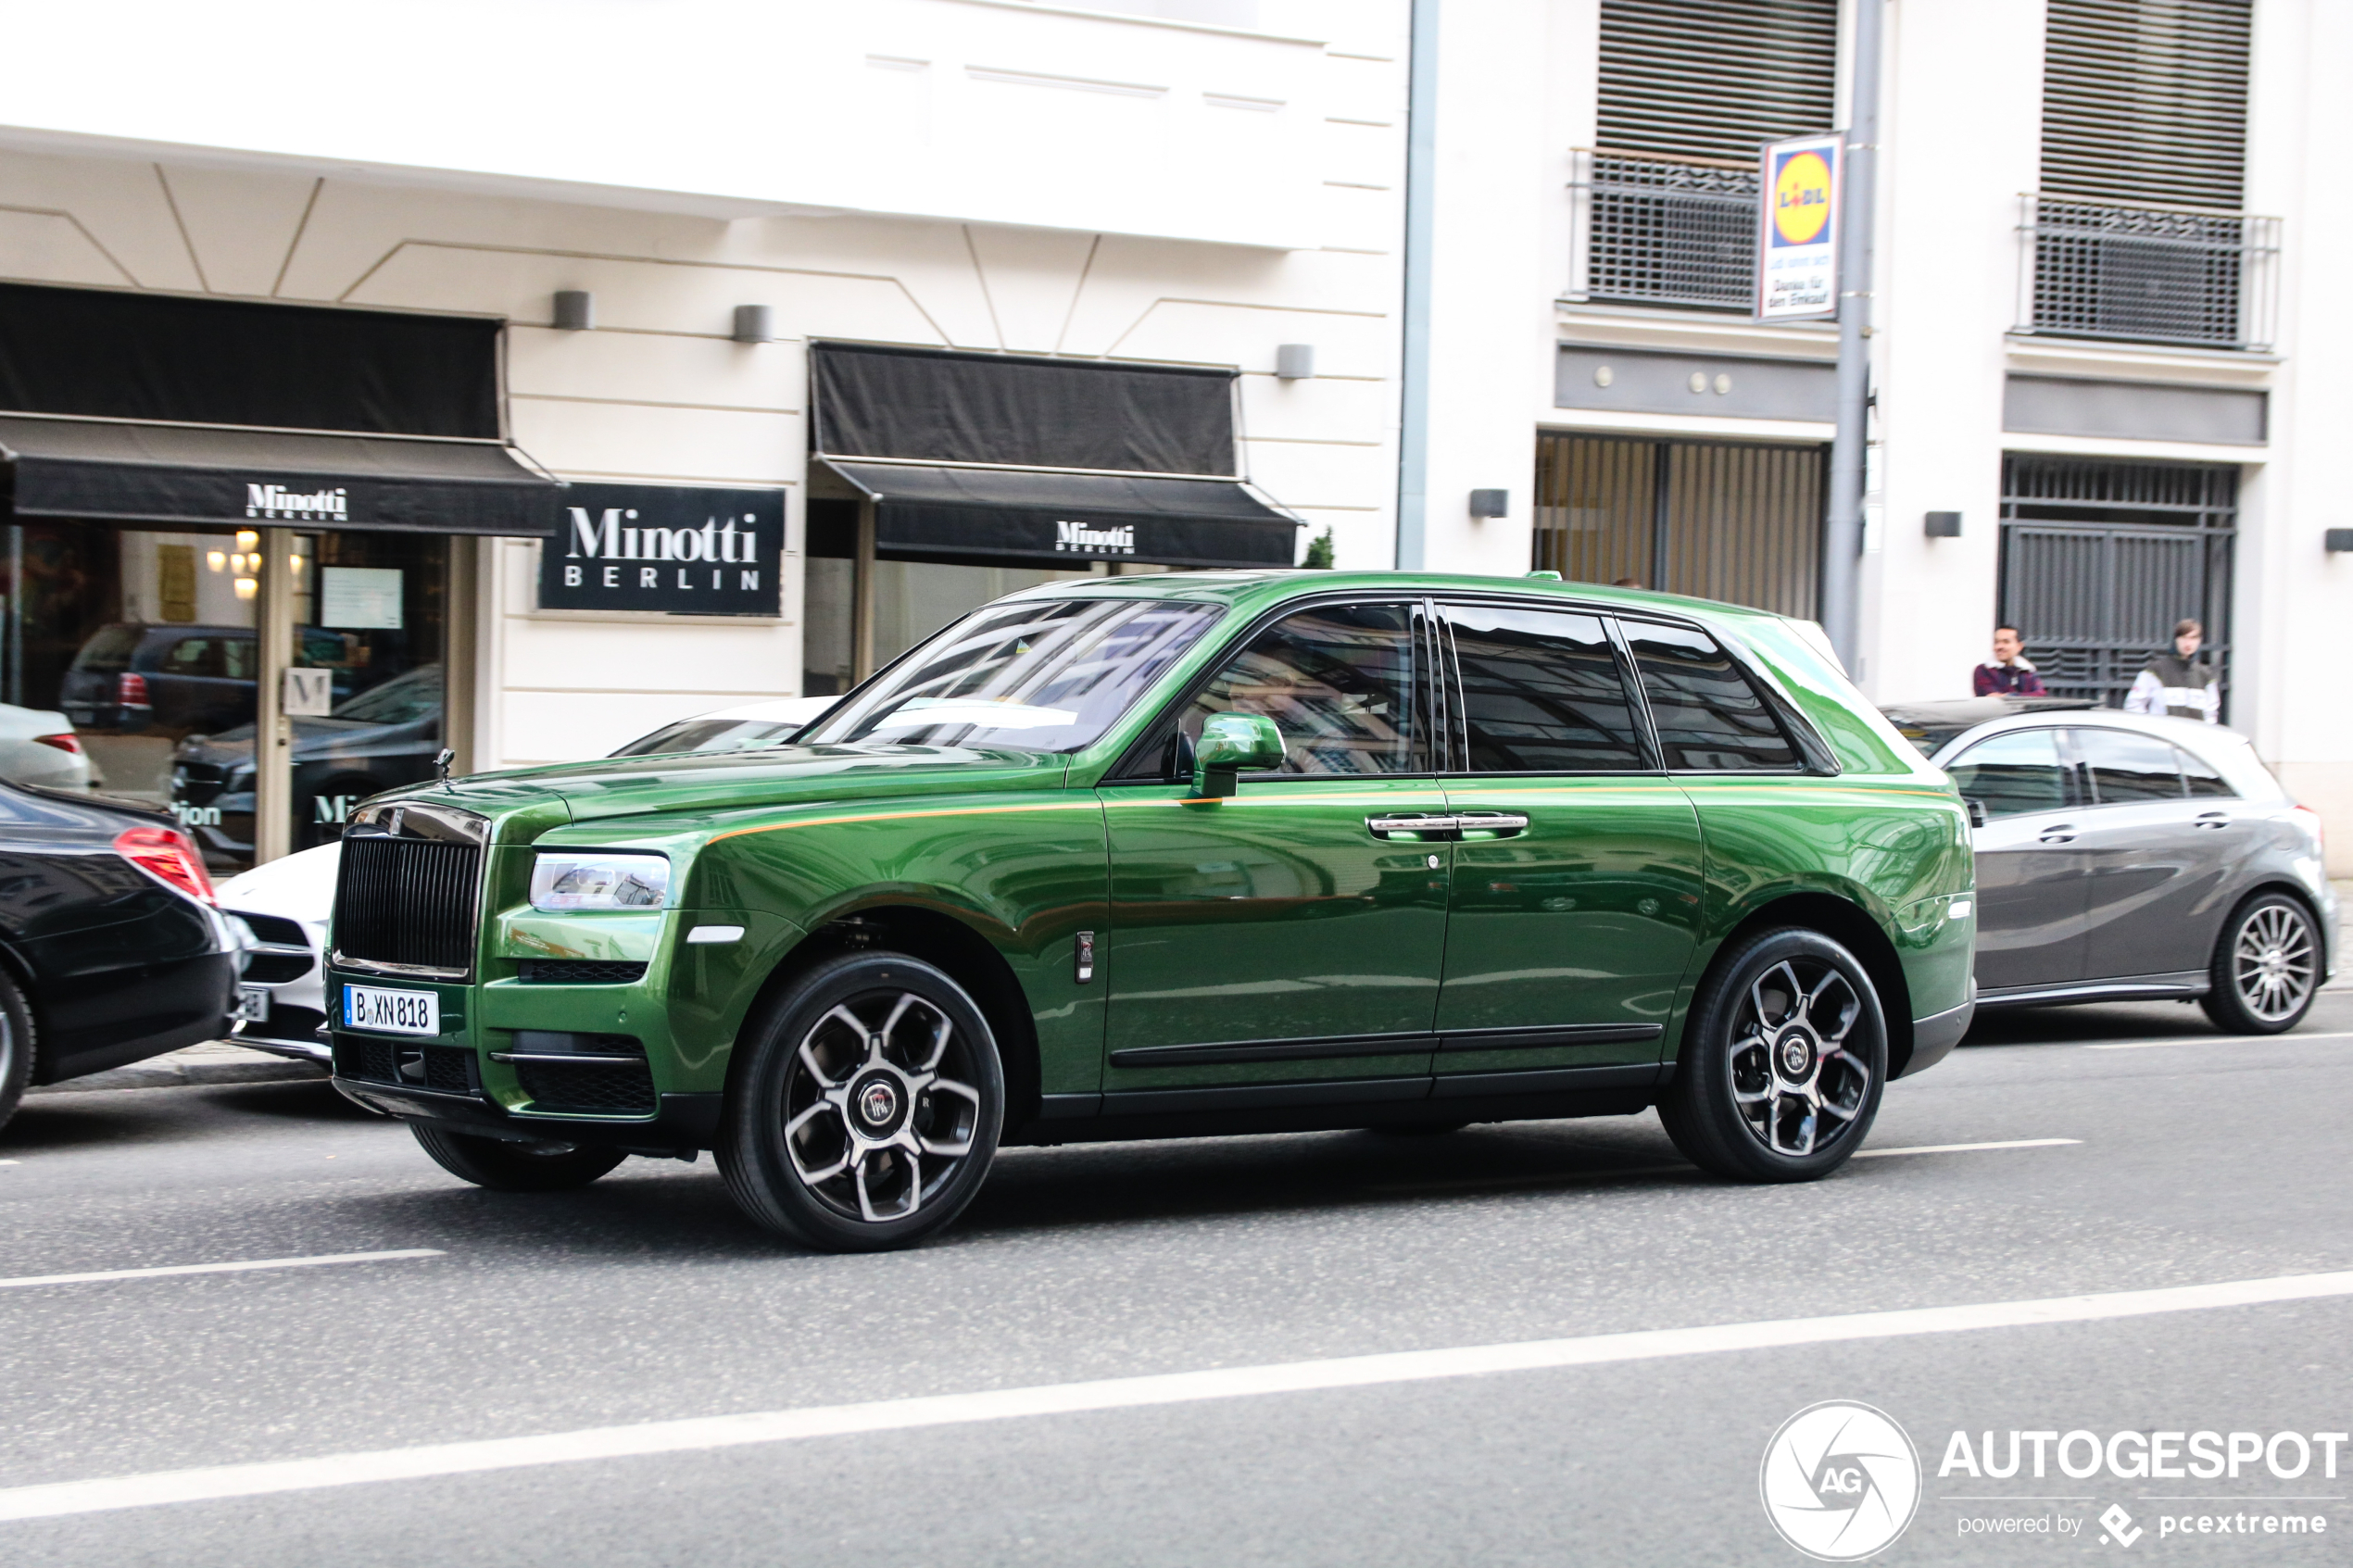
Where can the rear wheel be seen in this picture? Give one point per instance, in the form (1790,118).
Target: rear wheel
(2266,969)
(515,1167)
(1783,1059)
(866,1110)
(15,1046)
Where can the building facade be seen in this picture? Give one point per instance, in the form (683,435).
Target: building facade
(586,283)
(2099,330)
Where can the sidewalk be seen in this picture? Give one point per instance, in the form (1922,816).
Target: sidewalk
(216,1062)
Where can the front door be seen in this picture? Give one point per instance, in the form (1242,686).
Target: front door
(1287,933)
(2030,882)
(1577,879)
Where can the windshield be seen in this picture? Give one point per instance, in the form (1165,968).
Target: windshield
(715,735)
(404,699)
(1037,675)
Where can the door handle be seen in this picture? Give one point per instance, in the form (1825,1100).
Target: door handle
(1490,824)
(1416,827)
(2212,819)
(2059,832)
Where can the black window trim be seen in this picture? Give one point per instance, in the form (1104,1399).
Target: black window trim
(2072,776)
(1152,741)
(1814,759)
(1458,729)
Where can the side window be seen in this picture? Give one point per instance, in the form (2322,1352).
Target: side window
(1337,679)
(1542,692)
(1709,718)
(2128,768)
(2205,780)
(2014,774)
(191,655)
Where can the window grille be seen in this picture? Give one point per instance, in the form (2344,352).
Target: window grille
(2147,274)
(2100,559)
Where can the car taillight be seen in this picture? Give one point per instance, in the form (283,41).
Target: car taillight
(2311,819)
(63,743)
(131,689)
(167,855)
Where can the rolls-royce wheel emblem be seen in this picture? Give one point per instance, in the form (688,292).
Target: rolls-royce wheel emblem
(878,1102)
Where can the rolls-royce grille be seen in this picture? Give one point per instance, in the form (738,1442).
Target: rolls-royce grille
(406,901)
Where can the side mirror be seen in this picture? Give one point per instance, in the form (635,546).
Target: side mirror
(1233,744)
(1976,811)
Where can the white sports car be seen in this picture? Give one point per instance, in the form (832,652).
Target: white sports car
(283,905)
(40,747)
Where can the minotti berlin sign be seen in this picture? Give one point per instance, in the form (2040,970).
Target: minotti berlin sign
(669,549)
(1093,539)
(275,502)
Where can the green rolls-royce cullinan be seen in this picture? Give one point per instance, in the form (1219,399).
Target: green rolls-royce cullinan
(1147,857)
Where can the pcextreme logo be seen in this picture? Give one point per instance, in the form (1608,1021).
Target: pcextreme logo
(1840,1481)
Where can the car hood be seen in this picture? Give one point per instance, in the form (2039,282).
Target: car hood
(725,782)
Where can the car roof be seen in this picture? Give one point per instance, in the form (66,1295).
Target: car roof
(1255,589)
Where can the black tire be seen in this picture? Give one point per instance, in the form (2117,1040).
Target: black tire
(515,1167)
(1416,1129)
(2265,973)
(17,1045)
(863,1140)
(1784,1060)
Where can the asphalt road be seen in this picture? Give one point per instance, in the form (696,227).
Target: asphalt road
(2192,1163)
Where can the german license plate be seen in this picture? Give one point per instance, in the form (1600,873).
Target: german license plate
(391,1012)
(253,1004)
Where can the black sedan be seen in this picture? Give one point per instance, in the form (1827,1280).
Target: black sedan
(111,949)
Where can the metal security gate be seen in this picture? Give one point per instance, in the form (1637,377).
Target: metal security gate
(1718,519)
(2099,559)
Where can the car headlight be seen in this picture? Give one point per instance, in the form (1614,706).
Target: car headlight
(591,881)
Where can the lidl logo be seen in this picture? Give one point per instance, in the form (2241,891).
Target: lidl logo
(1801,199)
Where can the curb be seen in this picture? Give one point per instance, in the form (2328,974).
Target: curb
(163,1072)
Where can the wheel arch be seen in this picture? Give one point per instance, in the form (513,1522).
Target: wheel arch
(1851,926)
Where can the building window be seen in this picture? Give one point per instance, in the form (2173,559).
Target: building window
(1668,195)
(2135,233)
(1739,521)
(2100,560)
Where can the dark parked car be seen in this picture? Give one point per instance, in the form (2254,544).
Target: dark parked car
(133,679)
(2128,858)
(386,736)
(111,949)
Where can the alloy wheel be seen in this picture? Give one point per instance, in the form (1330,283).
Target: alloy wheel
(879,1109)
(1796,1086)
(2274,963)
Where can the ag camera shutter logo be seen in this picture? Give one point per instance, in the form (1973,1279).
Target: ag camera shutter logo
(1840,1481)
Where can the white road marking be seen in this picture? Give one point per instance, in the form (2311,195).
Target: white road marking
(1964,1147)
(222,1267)
(700,1433)
(2223,1040)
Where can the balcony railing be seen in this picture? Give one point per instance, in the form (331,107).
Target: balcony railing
(2147,274)
(1664,231)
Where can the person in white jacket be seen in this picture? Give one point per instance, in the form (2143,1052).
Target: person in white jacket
(2176,683)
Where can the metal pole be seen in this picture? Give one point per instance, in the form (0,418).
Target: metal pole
(1842,528)
(272,733)
(1421,171)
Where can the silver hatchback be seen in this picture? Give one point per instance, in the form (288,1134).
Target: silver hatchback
(2123,858)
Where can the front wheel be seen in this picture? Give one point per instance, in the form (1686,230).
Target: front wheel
(865,1107)
(1784,1055)
(2266,971)
(515,1167)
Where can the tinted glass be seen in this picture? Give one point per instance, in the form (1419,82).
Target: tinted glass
(2205,781)
(404,699)
(1037,675)
(1541,692)
(191,655)
(2126,767)
(2014,773)
(713,735)
(1337,681)
(1709,718)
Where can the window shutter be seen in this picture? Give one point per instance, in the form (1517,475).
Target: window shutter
(1714,78)
(2145,101)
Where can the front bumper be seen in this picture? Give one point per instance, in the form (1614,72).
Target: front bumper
(683,1125)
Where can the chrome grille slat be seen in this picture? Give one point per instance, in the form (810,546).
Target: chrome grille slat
(407,902)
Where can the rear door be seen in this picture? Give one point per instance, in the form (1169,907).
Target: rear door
(2158,858)
(2031,883)
(1577,877)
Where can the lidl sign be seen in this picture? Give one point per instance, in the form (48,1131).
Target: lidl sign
(1797,228)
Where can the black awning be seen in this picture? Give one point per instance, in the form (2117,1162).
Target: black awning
(112,471)
(1039,518)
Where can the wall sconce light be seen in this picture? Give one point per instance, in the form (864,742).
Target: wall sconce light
(1294,361)
(247,539)
(1491,503)
(755,323)
(217,560)
(2339,541)
(576,310)
(1943,525)
(247,587)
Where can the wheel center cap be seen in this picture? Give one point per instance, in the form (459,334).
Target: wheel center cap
(1796,1054)
(878,1103)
